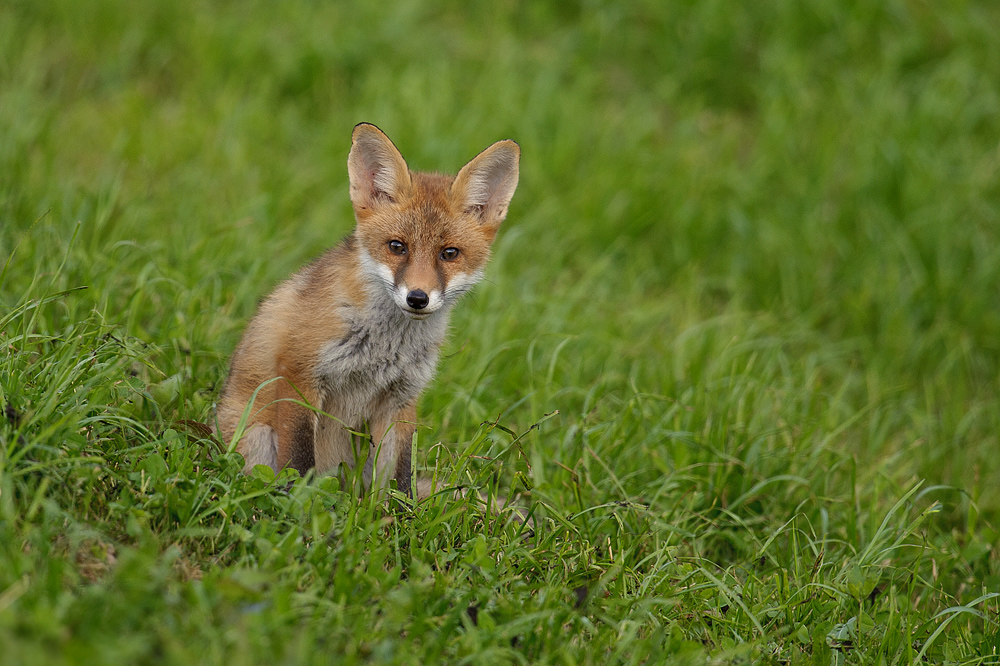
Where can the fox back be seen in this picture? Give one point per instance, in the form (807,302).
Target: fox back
(353,338)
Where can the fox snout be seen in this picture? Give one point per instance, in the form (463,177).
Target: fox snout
(417,302)
(417,299)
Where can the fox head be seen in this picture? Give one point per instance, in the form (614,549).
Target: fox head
(426,237)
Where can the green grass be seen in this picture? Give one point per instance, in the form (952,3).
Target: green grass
(748,290)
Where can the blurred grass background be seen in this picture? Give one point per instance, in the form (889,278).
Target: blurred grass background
(753,260)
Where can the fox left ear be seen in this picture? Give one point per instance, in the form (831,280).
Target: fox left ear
(485,185)
(378,173)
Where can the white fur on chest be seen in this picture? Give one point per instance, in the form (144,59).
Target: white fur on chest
(385,357)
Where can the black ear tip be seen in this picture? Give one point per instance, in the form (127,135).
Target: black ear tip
(512,146)
(365,127)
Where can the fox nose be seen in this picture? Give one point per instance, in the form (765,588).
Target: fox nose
(417,299)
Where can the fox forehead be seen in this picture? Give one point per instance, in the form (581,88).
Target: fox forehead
(428,217)
(429,194)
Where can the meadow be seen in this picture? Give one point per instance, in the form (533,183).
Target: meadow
(737,352)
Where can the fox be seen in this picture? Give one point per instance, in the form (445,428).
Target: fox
(353,338)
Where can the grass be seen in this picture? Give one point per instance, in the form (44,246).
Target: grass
(738,347)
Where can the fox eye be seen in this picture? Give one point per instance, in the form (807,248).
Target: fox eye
(449,254)
(397,247)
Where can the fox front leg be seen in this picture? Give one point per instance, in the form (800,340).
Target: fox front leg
(390,456)
(281,432)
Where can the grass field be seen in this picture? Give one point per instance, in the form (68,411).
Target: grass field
(738,348)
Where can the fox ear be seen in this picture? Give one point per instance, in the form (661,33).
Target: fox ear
(486,184)
(378,173)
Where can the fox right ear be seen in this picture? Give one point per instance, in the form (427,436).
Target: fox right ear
(486,184)
(378,173)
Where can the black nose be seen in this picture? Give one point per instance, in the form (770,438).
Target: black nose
(417,299)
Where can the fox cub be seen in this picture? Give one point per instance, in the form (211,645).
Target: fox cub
(356,333)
